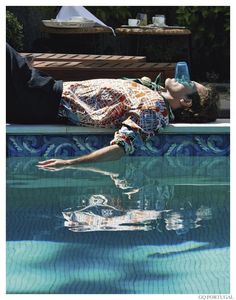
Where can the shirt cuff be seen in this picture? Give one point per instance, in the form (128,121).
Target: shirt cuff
(128,139)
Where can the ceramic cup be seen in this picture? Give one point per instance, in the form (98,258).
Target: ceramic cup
(159,20)
(133,22)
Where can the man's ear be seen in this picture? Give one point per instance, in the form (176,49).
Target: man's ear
(186,102)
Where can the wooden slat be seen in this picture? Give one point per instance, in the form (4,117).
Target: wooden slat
(27,54)
(71,64)
(80,57)
(83,57)
(39,64)
(47,56)
(59,56)
(83,70)
(102,64)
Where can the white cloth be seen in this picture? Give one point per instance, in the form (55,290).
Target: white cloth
(66,12)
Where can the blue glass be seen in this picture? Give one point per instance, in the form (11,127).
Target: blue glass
(182,73)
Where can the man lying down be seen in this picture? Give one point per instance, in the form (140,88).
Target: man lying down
(137,111)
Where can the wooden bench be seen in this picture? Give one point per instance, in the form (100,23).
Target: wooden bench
(82,70)
(82,57)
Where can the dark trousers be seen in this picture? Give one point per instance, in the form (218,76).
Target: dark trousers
(33,97)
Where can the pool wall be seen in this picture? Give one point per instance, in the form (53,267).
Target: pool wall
(212,139)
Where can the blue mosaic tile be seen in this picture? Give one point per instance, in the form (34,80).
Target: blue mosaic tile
(187,145)
(51,146)
(77,145)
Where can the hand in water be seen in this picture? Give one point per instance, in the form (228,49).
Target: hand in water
(53,164)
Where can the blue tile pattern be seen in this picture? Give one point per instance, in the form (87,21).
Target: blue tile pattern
(77,145)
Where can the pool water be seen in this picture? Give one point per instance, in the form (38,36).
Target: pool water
(141,225)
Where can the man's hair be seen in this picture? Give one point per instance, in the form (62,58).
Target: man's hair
(204,107)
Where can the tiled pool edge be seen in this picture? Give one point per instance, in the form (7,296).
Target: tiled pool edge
(212,139)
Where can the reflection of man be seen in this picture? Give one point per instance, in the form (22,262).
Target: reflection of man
(146,210)
(104,213)
(184,219)
(101,216)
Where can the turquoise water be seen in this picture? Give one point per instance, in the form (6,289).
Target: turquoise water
(135,226)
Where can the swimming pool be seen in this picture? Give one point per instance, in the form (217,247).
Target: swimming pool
(155,225)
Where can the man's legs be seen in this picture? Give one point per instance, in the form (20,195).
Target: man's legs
(32,96)
(17,75)
(16,65)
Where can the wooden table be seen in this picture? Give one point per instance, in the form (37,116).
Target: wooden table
(78,30)
(143,31)
(81,40)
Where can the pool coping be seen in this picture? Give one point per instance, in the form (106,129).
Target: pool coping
(220,126)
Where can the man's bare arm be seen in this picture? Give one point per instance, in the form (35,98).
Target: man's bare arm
(112,152)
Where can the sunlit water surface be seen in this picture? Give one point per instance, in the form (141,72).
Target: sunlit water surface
(139,225)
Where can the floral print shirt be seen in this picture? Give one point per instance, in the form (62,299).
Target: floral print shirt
(114,103)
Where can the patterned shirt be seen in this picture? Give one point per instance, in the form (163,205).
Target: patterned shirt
(114,103)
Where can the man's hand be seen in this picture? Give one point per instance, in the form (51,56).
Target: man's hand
(54,164)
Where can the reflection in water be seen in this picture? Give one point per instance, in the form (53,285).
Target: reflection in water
(182,203)
(183,220)
(161,193)
(104,217)
(101,213)
(99,217)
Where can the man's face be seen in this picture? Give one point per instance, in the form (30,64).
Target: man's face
(179,90)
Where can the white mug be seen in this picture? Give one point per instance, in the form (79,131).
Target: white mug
(133,22)
(158,20)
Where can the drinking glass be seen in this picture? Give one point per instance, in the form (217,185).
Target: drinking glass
(182,72)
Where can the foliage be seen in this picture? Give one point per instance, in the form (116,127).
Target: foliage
(209,24)
(47,12)
(210,27)
(111,14)
(117,15)
(14,31)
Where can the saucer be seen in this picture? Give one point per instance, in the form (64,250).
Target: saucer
(129,26)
